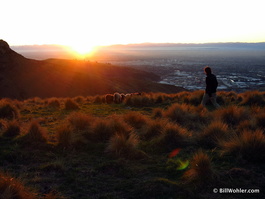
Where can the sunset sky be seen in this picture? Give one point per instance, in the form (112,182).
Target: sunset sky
(85,23)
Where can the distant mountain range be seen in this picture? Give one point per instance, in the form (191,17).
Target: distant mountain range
(23,78)
(130,51)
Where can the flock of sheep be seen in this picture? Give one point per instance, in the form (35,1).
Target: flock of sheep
(117,97)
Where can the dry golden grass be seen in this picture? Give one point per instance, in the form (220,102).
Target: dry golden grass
(248,145)
(80,121)
(64,135)
(157,113)
(70,104)
(36,133)
(53,103)
(189,116)
(135,119)
(11,188)
(8,110)
(172,136)
(201,171)
(253,98)
(153,129)
(139,101)
(212,134)
(101,130)
(232,115)
(260,119)
(123,146)
(119,126)
(12,129)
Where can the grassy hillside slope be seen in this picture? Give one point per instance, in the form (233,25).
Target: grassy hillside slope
(152,146)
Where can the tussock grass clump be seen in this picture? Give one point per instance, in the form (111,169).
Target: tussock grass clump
(212,134)
(64,135)
(101,130)
(70,105)
(260,120)
(201,171)
(36,134)
(194,98)
(3,124)
(246,125)
(138,101)
(153,129)
(187,115)
(12,129)
(227,98)
(173,136)
(248,145)
(99,99)
(8,110)
(253,98)
(11,188)
(124,146)
(53,103)
(80,99)
(135,119)
(119,126)
(232,115)
(157,113)
(80,121)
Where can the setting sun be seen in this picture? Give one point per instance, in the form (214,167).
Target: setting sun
(83,49)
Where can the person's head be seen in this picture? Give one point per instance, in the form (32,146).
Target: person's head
(208,70)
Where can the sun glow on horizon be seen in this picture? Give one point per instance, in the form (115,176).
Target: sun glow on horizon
(83,50)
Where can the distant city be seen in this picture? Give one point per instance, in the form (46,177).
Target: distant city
(238,66)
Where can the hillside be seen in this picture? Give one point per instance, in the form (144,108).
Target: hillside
(23,78)
(151,146)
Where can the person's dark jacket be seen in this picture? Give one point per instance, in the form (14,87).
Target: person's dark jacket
(211,84)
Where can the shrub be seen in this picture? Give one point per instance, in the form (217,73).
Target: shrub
(11,188)
(70,105)
(201,171)
(12,129)
(248,145)
(135,119)
(8,110)
(212,134)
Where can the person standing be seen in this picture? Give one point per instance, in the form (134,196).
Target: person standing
(211,86)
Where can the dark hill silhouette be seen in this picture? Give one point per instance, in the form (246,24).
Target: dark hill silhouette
(23,78)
